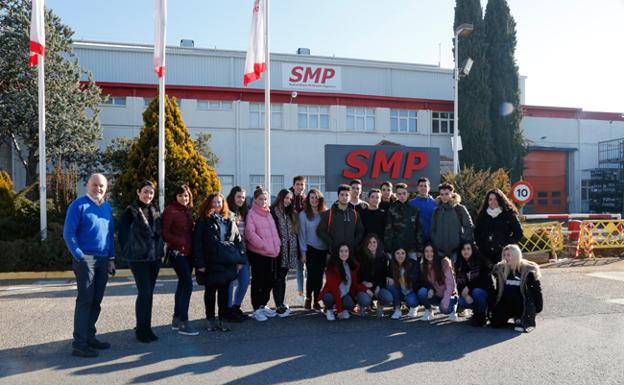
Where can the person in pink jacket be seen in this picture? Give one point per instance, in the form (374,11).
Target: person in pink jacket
(263,247)
(439,284)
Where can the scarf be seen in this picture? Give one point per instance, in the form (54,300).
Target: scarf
(494,212)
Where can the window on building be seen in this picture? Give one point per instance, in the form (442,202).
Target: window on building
(403,120)
(317,182)
(555,198)
(223,105)
(119,101)
(256,115)
(313,117)
(277,183)
(442,122)
(542,198)
(585,188)
(360,119)
(227,182)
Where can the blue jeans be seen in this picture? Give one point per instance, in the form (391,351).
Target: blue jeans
(410,299)
(362,299)
(300,274)
(426,302)
(241,283)
(480,297)
(384,298)
(91,278)
(182,266)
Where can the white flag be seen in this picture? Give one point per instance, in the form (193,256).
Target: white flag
(37,32)
(160,30)
(255,63)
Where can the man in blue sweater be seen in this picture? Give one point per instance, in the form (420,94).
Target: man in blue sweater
(425,204)
(89,235)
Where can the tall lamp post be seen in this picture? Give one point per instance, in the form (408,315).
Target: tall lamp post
(461,31)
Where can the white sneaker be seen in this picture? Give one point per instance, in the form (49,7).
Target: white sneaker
(396,314)
(345,314)
(427,316)
(412,312)
(453,316)
(259,315)
(301,299)
(283,312)
(268,312)
(329,314)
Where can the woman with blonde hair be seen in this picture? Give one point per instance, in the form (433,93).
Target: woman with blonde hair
(518,290)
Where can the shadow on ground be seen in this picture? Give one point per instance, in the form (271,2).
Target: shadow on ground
(302,347)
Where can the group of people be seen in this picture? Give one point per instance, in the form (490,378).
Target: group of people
(354,257)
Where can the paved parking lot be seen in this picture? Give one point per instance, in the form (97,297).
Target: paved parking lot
(579,339)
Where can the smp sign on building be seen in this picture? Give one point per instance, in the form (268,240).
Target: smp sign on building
(311,77)
(376,164)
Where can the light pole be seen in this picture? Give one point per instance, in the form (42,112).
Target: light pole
(461,31)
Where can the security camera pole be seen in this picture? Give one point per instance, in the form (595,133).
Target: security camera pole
(462,30)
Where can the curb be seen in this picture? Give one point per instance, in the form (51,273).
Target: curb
(166,272)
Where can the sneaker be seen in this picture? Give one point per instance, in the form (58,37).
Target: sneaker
(380,313)
(427,315)
(396,314)
(232,314)
(453,316)
(186,329)
(316,306)
(301,299)
(283,311)
(308,304)
(329,314)
(151,335)
(175,323)
(98,345)
(259,315)
(461,312)
(412,312)
(85,352)
(215,325)
(345,314)
(478,319)
(268,312)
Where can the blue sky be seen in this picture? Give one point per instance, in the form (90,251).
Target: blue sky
(570,50)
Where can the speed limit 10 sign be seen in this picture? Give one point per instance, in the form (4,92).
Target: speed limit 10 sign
(522,192)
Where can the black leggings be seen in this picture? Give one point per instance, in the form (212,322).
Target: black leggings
(263,278)
(221,292)
(315,264)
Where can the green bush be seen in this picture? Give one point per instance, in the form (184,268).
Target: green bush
(472,185)
(183,162)
(32,254)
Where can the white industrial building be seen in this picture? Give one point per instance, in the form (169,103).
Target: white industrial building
(338,101)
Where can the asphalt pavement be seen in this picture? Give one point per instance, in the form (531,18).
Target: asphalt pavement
(579,339)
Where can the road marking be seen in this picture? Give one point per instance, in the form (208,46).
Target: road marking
(157,285)
(613,275)
(18,288)
(619,301)
(53,283)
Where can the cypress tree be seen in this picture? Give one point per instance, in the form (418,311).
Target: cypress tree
(183,163)
(505,112)
(474,94)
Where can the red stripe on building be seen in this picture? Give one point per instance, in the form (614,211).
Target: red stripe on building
(570,113)
(256,95)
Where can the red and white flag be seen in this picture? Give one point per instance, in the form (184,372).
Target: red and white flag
(255,63)
(160,30)
(37,32)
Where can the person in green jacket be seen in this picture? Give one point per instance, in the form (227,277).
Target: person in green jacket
(403,225)
(451,223)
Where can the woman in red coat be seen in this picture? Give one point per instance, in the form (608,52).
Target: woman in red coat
(342,287)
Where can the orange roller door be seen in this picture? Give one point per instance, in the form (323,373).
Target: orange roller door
(547,172)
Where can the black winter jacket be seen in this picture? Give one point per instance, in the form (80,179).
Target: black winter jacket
(473,274)
(492,234)
(140,233)
(206,241)
(373,270)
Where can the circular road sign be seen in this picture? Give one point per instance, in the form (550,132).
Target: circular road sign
(522,192)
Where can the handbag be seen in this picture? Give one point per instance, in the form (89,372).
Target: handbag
(228,253)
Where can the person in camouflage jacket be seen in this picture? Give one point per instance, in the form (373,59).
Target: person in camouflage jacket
(403,224)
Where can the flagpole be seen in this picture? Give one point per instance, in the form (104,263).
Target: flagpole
(267,102)
(161,142)
(43,215)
